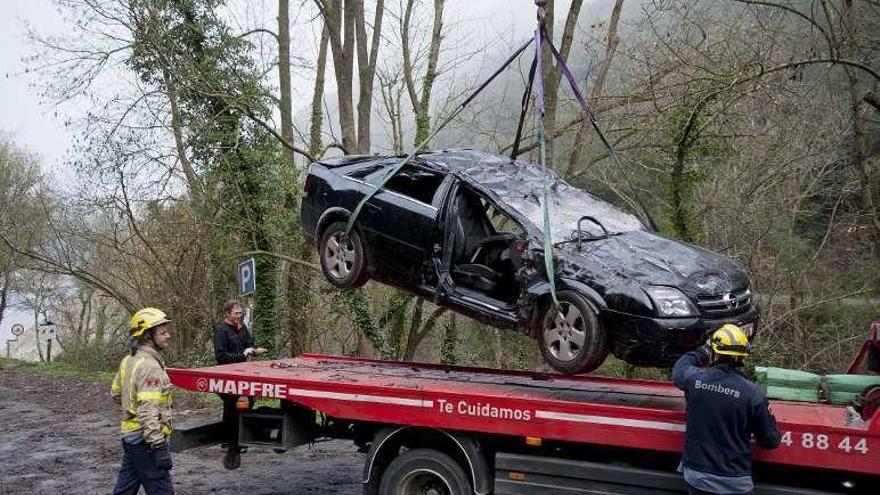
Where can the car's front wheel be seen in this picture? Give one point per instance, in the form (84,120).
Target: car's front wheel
(342,257)
(572,338)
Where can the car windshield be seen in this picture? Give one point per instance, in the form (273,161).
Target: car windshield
(567,206)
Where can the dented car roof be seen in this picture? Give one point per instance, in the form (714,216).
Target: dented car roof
(520,185)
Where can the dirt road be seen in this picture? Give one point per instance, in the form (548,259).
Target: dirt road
(59,435)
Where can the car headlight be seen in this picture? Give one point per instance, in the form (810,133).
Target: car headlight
(671,302)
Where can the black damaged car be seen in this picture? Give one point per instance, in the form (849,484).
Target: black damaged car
(464,229)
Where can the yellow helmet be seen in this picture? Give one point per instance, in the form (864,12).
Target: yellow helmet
(730,340)
(146,319)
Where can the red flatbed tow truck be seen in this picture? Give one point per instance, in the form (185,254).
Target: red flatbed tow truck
(447,429)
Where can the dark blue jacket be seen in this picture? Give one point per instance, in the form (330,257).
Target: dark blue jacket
(724,410)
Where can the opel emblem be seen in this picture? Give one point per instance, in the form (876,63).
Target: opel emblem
(729,302)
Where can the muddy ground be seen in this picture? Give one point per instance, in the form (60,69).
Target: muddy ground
(59,435)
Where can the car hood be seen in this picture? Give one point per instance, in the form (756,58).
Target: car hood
(651,259)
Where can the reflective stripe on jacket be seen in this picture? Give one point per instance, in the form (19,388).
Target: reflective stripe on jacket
(142,388)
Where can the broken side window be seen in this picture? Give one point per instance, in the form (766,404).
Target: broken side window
(416,183)
(501,221)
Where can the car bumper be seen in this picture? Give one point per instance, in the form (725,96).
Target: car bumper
(645,341)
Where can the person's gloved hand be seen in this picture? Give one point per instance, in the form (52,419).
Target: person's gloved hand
(704,353)
(248,351)
(161,456)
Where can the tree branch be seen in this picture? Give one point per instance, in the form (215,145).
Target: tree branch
(287,144)
(295,261)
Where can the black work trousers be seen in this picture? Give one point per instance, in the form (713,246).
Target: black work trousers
(230,418)
(139,468)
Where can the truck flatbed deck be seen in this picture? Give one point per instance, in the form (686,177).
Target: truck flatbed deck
(634,414)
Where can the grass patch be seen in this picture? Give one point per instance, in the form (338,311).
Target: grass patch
(195,399)
(56,368)
(615,367)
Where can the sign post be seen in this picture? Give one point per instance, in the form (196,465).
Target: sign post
(49,330)
(17,330)
(247,277)
(247,285)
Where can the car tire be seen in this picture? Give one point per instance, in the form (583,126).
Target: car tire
(573,340)
(421,471)
(344,263)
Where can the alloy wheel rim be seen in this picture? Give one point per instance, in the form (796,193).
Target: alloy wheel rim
(565,332)
(339,257)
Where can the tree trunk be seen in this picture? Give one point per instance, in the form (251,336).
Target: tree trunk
(861,159)
(101,327)
(196,189)
(415,340)
(338,18)
(366,69)
(391,95)
(679,186)
(421,103)
(316,124)
(3,291)
(497,346)
(450,342)
(415,323)
(598,86)
(37,331)
(284,79)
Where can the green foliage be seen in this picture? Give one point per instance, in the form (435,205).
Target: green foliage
(360,312)
(59,368)
(89,357)
(184,47)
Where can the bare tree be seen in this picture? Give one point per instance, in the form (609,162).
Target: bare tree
(421,100)
(347,31)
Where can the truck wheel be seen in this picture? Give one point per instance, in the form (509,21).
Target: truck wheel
(343,261)
(572,340)
(424,471)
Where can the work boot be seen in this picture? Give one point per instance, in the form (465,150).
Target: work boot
(232,459)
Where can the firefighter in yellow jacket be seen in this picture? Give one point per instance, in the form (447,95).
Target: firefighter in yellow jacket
(142,388)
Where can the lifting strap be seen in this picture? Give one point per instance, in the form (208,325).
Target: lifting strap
(542,146)
(390,173)
(524,108)
(635,203)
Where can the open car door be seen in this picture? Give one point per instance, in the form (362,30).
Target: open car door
(479,258)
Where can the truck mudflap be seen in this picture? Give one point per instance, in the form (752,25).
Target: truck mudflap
(517,474)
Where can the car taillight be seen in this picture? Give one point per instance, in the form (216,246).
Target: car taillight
(307,182)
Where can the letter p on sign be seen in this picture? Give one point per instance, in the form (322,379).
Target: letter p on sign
(247,277)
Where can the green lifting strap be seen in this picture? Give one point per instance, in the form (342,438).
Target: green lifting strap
(542,146)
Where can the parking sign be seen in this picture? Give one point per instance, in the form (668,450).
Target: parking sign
(247,277)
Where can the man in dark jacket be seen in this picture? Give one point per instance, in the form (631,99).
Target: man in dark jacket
(724,411)
(233,343)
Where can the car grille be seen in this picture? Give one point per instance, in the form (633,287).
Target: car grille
(732,303)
